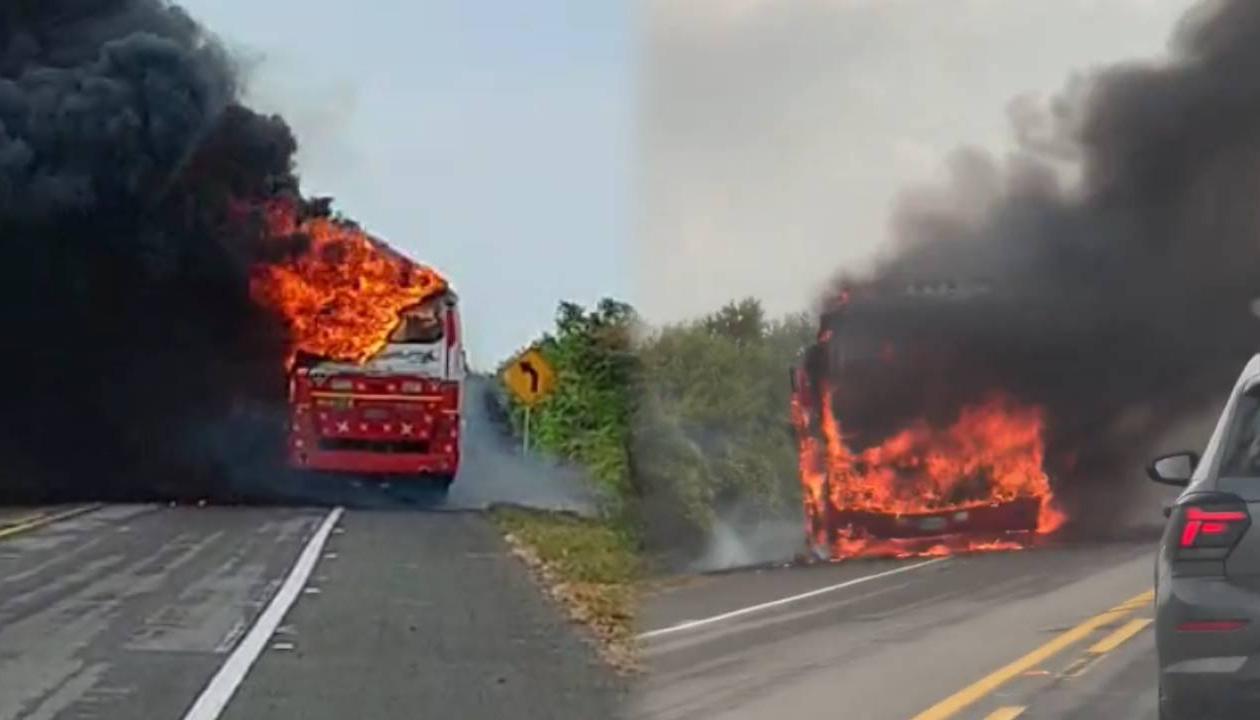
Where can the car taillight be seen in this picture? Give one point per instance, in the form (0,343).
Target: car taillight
(1209,531)
(1205,524)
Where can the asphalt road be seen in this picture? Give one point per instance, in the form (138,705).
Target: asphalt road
(158,612)
(1049,633)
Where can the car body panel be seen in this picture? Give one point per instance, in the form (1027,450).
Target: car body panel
(1205,674)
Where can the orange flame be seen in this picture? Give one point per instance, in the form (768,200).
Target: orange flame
(991,454)
(342,296)
(812,478)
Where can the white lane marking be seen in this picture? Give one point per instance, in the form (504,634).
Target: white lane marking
(216,695)
(690,624)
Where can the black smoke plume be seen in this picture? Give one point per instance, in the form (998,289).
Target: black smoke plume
(1118,299)
(133,362)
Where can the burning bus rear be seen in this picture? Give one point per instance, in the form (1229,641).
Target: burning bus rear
(396,414)
(891,463)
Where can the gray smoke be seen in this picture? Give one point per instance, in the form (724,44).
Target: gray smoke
(1121,299)
(136,363)
(101,103)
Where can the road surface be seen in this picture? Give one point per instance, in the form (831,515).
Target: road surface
(1059,632)
(142,611)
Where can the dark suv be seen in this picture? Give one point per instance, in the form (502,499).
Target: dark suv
(1207,576)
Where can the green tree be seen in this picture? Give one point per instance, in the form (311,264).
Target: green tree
(743,322)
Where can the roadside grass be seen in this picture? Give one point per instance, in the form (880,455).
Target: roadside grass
(589,566)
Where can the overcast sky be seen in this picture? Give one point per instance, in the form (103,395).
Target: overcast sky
(676,152)
(777,134)
(488,138)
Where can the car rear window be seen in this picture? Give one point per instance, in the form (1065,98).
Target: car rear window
(1242,448)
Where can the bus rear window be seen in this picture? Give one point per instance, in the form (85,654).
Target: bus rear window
(421,324)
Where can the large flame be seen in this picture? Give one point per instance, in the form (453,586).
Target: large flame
(991,454)
(341,296)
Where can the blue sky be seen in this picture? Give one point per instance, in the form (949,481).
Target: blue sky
(508,144)
(488,138)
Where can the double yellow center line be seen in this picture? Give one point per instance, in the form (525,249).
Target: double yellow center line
(39,520)
(973,693)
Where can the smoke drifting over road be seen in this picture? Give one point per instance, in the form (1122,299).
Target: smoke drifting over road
(1120,299)
(495,471)
(134,360)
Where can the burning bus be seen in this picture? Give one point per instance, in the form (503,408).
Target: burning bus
(891,461)
(396,414)
(377,365)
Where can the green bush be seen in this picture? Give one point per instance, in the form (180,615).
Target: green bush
(587,417)
(688,420)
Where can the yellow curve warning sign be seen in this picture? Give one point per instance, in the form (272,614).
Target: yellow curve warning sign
(530,377)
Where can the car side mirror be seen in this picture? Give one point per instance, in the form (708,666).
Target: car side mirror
(1174,469)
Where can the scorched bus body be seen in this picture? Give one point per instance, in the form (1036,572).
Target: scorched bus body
(883,353)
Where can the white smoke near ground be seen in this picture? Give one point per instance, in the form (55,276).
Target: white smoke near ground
(495,470)
(739,540)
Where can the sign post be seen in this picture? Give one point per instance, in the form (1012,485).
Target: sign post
(531,379)
(528,410)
